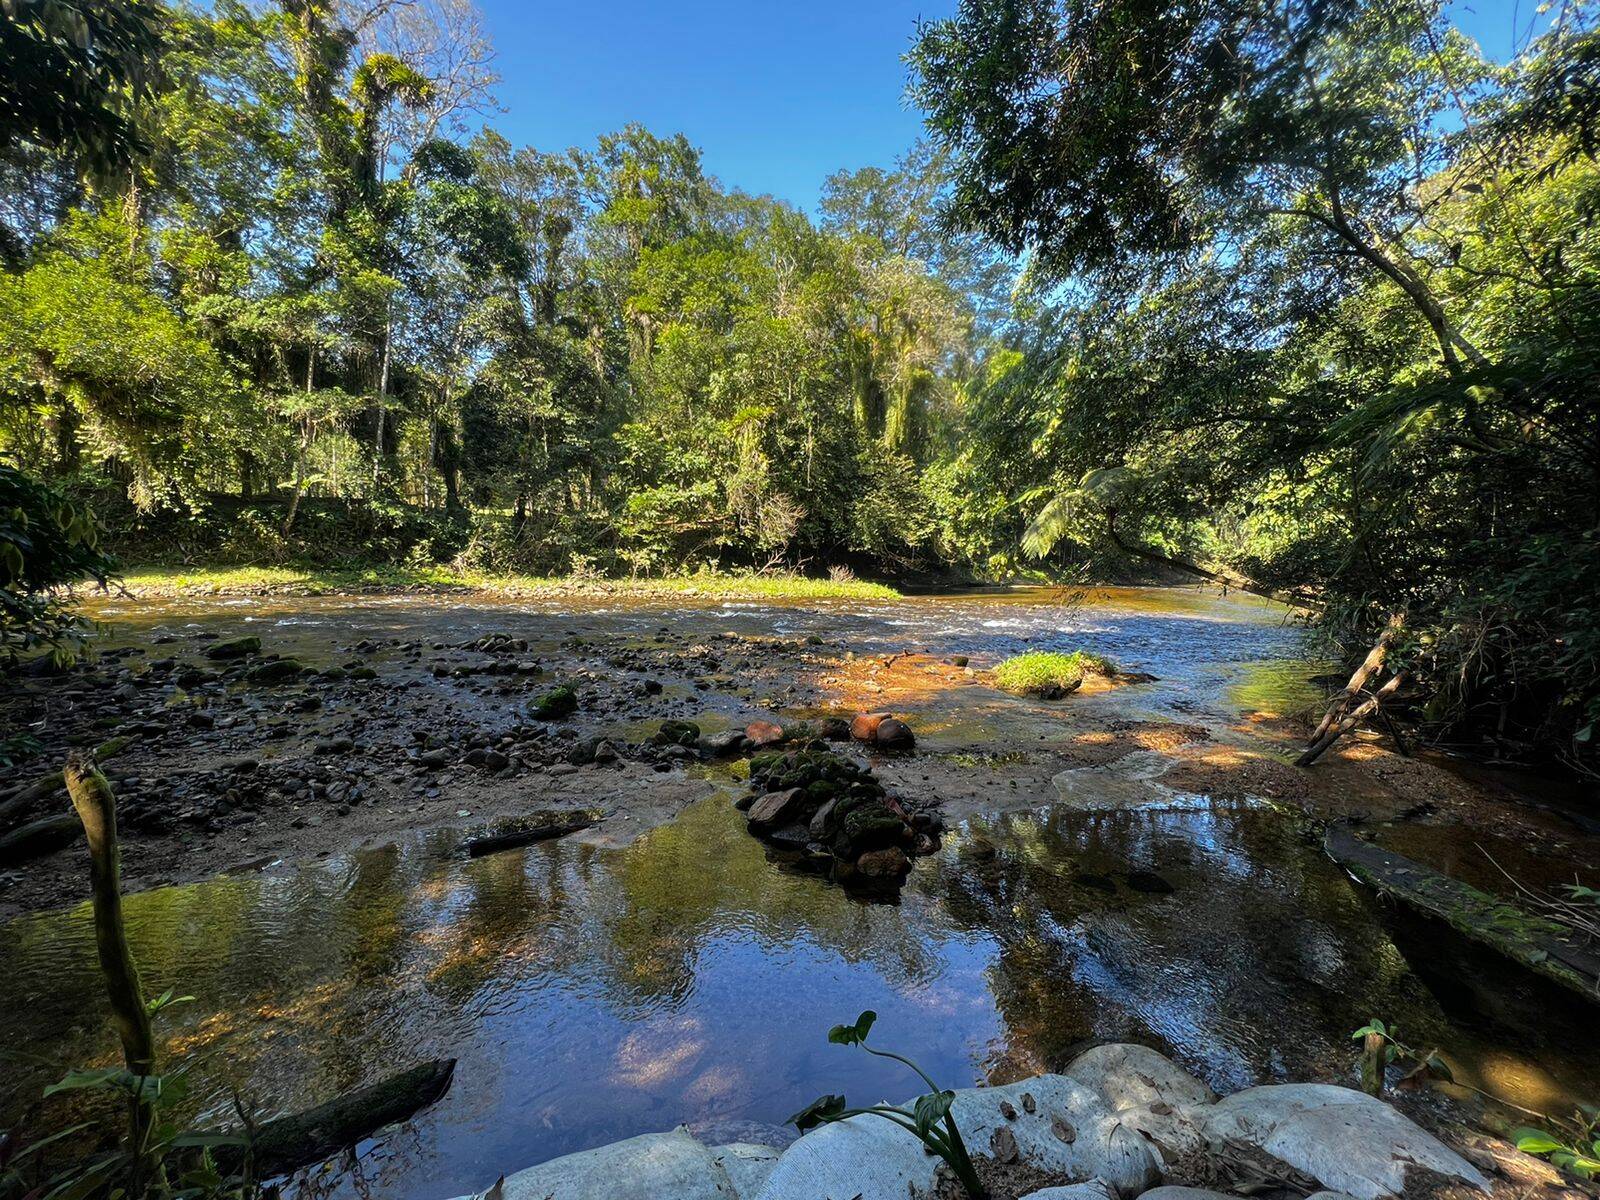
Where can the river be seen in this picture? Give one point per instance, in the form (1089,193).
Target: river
(593,992)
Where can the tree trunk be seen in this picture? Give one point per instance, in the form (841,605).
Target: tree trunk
(97,809)
(1370,666)
(1364,710)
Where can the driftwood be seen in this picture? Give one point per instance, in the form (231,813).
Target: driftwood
(1350,720)
(492,843)
(1344,713)
(1539,945)
(48,785)
(38,838)
(289,1143)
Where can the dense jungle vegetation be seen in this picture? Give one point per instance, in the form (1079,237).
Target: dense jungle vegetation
(1298,296)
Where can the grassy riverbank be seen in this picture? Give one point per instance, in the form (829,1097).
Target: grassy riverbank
(164,581)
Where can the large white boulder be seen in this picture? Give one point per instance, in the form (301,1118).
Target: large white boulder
(1059,1126)
(653,1166)
(1128,1075)
(1147,1091)
(746,1164)
(1346,1140)
(1094,1189)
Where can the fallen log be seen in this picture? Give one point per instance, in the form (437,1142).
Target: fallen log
(1538,944)
(1350,720)
(301,1139)
(38,838)
(493,843)
(48,785)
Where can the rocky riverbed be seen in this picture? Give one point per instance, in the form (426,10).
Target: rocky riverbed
(1138,860)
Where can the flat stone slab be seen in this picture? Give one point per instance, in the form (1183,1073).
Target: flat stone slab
(1346,1140)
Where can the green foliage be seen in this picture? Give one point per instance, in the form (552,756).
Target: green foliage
(1048,671)
(74,72)
(154,1157)
(1311,299)
(1574,1147)
(48,541)
(928,1117)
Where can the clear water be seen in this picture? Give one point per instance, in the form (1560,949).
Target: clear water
(592,994)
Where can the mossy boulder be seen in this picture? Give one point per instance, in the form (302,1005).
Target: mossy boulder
(677,733)
(557,703)
(237,647)
(277,670)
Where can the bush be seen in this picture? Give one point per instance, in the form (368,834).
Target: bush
(48,542)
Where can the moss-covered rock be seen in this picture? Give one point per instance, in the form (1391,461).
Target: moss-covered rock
(677,733)
(557,703)
(278,670)
(237,647)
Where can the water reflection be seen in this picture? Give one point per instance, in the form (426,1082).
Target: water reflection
(597,993)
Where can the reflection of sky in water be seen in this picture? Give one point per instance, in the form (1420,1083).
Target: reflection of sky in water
(595,994)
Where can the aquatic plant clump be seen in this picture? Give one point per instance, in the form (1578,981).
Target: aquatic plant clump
(1050,674)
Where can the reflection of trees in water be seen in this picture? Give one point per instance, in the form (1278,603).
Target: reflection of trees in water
(1256,967)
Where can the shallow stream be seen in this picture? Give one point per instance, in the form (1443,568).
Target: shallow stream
(595,993)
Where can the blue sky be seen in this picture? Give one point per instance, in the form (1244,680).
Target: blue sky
(777,95)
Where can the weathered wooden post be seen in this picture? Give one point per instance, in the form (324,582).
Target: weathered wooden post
(97,809)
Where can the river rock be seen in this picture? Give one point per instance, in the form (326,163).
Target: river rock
(1346,1140)
(889,863)
(279,670)
(652,1166)
(558,702)
(1093,1189)
(1148,1092)
(870,1158)
(746,1164)
(776,809)
(234,648)
(894,734)
(1127,1075)
(725,744)
(677,733)
(763,734)
(864,726)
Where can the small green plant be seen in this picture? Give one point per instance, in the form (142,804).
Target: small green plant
(152,1159)
(1573,1147)
(927,1118)
(1380,1048)
(1050,674)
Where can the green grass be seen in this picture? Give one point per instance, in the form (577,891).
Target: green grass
(199,581)
(1040,669)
